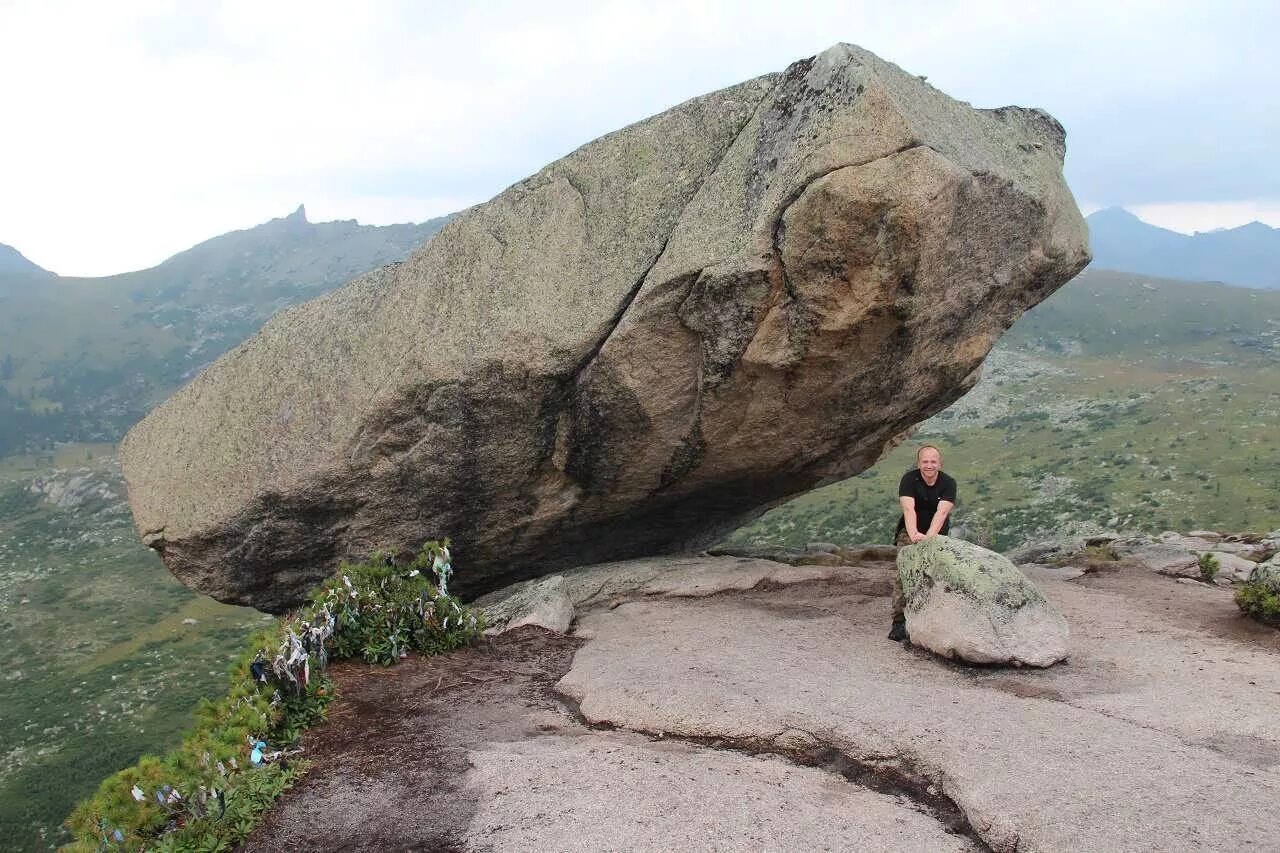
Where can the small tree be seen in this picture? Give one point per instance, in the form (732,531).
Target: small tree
(1209,566)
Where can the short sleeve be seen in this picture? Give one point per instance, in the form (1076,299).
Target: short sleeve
(906,487)
(948,490)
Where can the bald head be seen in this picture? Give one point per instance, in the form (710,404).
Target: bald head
(929,461)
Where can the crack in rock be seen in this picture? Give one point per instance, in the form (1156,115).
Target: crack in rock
(587,360)
(890,775)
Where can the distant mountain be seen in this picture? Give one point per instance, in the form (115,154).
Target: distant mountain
(1248,256)
(290,251)
(82,359)
(12,261)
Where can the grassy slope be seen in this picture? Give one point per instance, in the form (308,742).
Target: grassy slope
(101,664)
(1121,402)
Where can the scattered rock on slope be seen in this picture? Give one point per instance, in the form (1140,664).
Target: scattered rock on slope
(634,350)
(1165,558)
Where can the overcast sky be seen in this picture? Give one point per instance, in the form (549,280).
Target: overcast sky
(133,130)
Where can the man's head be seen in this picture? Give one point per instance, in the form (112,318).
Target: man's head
(929,461)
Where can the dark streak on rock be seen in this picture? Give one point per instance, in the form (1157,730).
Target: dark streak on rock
(893,776)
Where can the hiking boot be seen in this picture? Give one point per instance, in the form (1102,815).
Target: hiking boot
(898,633)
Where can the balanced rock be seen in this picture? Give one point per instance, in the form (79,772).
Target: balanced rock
(966,602)
(631,352)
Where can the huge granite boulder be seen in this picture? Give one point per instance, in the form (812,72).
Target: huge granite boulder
(965,602)
(633,351)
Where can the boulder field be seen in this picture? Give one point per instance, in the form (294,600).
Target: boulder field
(631,352)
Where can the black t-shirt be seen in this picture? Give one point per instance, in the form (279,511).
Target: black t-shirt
(913,485)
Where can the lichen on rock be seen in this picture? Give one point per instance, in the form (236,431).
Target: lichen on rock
(963,601)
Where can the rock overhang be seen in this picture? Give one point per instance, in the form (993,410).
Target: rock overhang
(674,327)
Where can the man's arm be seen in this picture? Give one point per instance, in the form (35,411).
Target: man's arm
(909,516)
(939,518)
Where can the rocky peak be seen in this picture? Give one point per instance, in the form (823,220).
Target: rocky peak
(13,261)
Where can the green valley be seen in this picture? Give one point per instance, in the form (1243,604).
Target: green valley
(1120,403)
(106,653)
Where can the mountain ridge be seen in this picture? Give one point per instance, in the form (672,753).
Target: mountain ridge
(13,262)
(1247,255)
(83,358)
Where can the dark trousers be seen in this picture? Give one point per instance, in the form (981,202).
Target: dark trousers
(899,600)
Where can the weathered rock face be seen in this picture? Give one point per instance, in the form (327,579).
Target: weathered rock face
(634,350)
(966,602)
(1166,558)
(1268,574)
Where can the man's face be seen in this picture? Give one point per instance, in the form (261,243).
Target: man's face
(929,463)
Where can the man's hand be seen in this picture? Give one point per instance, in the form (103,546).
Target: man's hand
(917,536)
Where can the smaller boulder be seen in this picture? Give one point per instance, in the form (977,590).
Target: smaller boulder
(1269,545)
(544,602)
(1268,574)
(966,602)
(1189,541)
(1162,557)
(1048,549)
(827,547)
(1231,567)
(1254,551)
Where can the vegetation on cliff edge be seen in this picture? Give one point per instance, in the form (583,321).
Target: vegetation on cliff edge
(210,792)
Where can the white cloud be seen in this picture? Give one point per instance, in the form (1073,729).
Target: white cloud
(1191,216)
(136,128)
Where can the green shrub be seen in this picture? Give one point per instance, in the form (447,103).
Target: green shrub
(210,792)
(381,612)
(208,784)
(1209,566)
(1259,601)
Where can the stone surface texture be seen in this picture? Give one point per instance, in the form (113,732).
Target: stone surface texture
(544,603)
(631,352)
(966,602)
(756,716)
(1268,574)
(1036,552)
(672,577)
(638,794)
(1231,567)
(1170,559)
(1114,752)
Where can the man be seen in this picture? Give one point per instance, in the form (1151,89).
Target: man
(927,497)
